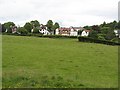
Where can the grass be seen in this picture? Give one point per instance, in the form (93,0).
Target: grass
(58,63)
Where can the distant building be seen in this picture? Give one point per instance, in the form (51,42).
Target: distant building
(43,30)
(72,31)
(63,31)
(117,33)
(76,28)
(85,32)
(14,29)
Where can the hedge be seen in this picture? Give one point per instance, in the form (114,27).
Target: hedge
(58,36)
(40,35)
(80,38)
(92,40)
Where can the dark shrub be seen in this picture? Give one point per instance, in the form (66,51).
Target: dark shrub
(22,31)
(92,40)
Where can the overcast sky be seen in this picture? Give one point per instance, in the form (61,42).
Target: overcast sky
(65,12)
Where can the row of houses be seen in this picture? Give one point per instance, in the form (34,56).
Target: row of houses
(72,31)
(66,31)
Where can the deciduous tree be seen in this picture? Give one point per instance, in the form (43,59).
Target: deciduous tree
(8,26)
(50,25)
(28,26)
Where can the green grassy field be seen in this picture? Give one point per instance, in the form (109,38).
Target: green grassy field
(47,63)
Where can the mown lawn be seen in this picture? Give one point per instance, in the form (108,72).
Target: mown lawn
(44,62)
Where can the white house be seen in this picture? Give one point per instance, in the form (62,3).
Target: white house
(32,31)
(44,32)
(85,32)
(117,33)
(71,31)
(76,28)
(57,31)
(74,31)
(42,29)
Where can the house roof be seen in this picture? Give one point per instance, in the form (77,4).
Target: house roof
(80,28)
(43,26)
(64,29)
(87,30)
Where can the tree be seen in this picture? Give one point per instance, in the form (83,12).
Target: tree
(93,34)
(96,28)
(55,26)
(87,27)
(114,25)
(35,23)
(101,36)
(28,26)
(3,28)
(35,30)
(22,30)
(104,24)
(50,25)
(110,35)
(118,25)
(105,30)
(8,26)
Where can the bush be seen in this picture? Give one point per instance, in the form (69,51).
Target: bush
(58,36)
(92,40)
(110,35)
(22,31)
(93,34)
(115,40)
(101,36)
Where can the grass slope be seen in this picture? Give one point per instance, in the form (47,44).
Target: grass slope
(44,62)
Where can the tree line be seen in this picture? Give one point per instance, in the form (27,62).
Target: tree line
(35,25)
(104,31)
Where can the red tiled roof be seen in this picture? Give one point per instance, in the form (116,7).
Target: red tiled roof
(87,30)
(64,29)
(78,28)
